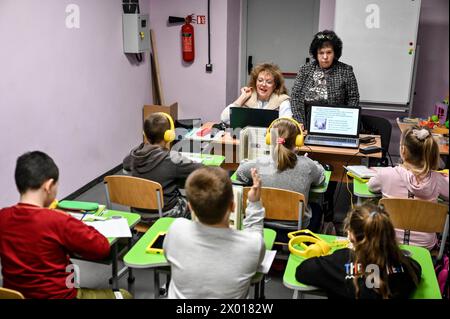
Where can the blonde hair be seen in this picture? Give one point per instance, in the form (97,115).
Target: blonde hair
(272,69)
(375,244)
(421,152)
(287,132)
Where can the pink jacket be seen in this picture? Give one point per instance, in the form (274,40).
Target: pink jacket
(396,181)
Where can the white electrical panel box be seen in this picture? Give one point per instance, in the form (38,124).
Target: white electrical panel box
(136,33)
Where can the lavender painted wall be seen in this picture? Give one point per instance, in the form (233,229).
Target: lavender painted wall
(432,75)
(233,50)
(326,15)
(69,92)
(199,94)
(432,81)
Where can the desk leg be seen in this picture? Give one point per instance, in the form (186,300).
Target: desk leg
(115,279)
(156,283)
(256,296)
(131,278)
(359,200)
(261,292)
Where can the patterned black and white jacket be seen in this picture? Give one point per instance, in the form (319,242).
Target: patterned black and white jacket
(342,88)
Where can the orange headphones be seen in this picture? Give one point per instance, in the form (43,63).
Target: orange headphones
(298,140)
(169,135)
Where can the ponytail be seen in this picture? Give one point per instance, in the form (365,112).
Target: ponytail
(285,143)
(375,243)
(421,154)
(286,158)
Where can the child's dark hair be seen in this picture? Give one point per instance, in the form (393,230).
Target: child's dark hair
(209,192)
(375,243)
(155,126)
(33,169)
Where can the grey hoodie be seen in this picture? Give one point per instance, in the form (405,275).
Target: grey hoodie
(162,166)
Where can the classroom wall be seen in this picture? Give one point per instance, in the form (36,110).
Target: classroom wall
(233,50)
(326,15)
(69,92)
(432,81)
(198,93)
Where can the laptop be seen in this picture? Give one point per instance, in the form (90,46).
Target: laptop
(334,126)
(241,117)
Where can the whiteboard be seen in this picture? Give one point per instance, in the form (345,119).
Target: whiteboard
(379,41)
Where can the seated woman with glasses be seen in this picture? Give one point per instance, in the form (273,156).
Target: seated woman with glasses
(324,80)
(265,90)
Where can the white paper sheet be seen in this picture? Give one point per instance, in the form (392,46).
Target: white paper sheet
(112,227)
(267,261)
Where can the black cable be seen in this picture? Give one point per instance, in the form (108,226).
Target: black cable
(390,158)
(139,57)
(209,33)
(342,178)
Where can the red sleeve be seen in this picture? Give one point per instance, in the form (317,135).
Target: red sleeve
(83,240)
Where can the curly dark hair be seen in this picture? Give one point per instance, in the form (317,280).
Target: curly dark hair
(325,38)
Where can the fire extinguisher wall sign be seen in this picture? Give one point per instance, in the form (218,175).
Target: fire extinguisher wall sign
(187,40)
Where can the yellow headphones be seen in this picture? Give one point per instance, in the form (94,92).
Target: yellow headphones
(298,140)
(169,135)
(318,247)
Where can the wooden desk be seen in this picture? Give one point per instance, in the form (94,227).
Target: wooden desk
(441,140)
(335,156)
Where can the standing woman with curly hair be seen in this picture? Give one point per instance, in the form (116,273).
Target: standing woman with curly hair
(324,80)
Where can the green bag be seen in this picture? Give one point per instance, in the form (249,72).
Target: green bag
(78,206)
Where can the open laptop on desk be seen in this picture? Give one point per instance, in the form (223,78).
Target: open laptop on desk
(241,117)
(334,126)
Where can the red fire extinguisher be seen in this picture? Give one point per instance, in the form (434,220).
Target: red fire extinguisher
(187,38)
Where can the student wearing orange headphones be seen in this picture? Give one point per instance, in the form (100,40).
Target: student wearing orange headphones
(373,268)
(285,169)
(154,161)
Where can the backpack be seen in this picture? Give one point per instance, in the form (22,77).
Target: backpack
(442,269)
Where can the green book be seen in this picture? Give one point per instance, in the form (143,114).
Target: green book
(72,205)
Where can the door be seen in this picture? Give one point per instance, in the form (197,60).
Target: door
(279,32)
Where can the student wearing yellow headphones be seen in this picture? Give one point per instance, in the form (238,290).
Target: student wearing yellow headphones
(154,161)
(374,267)
(285,169)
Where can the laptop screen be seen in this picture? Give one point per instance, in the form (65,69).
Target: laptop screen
(334,120)
(241,117)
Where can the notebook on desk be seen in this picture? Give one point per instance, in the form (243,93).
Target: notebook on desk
(334,126)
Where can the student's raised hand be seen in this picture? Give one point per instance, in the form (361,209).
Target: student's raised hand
(254,195)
